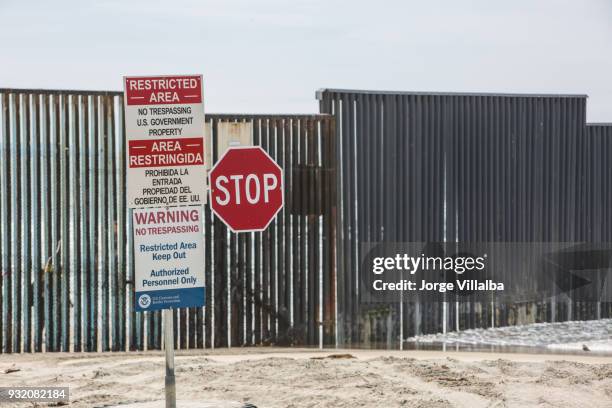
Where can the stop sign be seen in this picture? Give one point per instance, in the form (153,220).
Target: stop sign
(246,188)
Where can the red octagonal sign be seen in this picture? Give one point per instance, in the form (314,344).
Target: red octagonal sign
(246,189)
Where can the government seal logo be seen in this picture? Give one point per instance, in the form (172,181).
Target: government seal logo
(144,301)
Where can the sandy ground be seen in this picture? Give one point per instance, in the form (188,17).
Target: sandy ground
(309,378)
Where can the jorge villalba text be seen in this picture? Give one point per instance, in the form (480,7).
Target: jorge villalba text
(425,286)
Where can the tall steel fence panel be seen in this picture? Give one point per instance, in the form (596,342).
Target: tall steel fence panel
(596,186)
(595,197)
(390,185)
(514,170)
(425,167)
(66,256)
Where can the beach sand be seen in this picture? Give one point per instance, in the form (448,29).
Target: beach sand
(274,377)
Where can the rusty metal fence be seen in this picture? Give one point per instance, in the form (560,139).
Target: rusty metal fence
(374,167)
(66,249)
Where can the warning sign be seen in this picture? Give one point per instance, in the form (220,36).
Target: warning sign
(164,122)
(169,258)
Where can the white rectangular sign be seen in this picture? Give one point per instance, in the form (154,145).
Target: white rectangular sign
(169,258)
(164,122)
(233,134)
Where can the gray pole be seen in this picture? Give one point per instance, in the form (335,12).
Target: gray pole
(169,345)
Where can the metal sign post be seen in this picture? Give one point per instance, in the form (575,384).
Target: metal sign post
(170,383)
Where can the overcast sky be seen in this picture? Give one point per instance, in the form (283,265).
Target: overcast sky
(272,55)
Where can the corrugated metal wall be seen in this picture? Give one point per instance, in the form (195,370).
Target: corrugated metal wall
(596,189)
(390,186)
(65,242)
(421,167)
(515,168)
(595,192)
